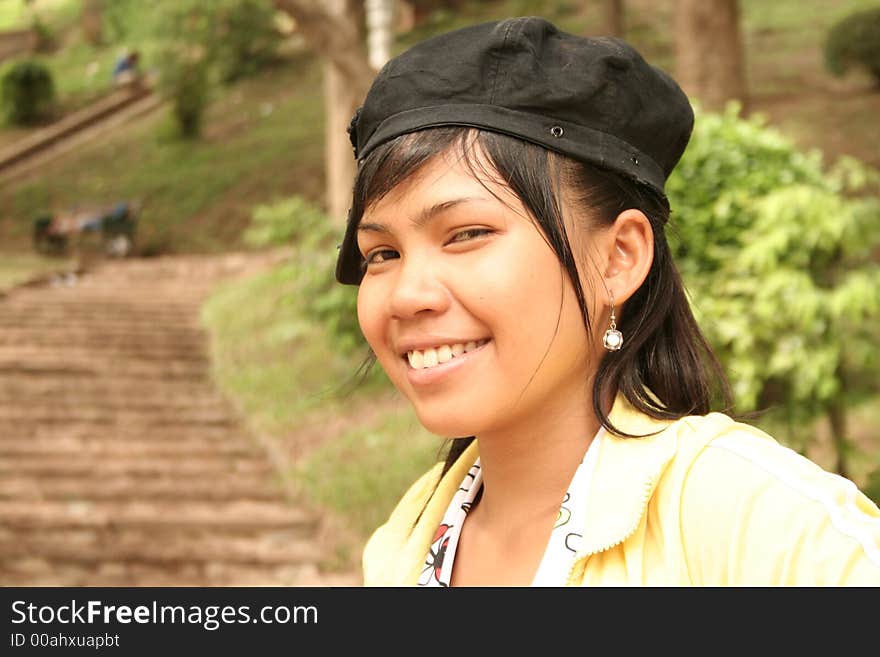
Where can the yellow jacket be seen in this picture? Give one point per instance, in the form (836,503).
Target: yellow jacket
(705,502)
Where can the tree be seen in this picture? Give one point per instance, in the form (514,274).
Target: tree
(709,52)
(334,30)
(613,17)
(91,21)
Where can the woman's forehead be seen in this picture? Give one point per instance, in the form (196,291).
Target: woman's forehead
(450,176)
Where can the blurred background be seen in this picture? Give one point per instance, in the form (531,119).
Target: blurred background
(182,393)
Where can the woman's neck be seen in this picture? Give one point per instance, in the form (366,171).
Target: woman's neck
(527,466)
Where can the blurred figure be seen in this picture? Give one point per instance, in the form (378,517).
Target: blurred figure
(126,71)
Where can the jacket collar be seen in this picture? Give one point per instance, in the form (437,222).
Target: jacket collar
(626,474)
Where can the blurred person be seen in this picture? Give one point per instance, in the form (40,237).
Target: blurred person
(126,70)
(507,234)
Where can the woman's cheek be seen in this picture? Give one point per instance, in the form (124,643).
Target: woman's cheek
(367,316)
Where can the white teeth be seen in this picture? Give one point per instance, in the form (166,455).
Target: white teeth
(444,354)
(416,360)
(436,355)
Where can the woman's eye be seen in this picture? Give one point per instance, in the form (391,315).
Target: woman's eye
(469,234)
(380,255)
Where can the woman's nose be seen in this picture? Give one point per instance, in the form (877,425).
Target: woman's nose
(417,289)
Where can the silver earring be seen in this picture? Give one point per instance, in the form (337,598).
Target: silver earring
(613,339)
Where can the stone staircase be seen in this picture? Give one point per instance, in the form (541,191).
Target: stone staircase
(120,464)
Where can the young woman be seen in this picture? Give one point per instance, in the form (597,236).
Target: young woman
(507,235)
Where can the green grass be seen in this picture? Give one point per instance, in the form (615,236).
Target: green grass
(274,360)
(17,268)
(263,139)
(361,475)
(53,13)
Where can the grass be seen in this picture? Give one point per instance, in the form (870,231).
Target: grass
(18,268)
(14,14)
(275,361)
(262,140)
(361,474)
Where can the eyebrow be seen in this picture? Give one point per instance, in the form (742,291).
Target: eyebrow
(423,218)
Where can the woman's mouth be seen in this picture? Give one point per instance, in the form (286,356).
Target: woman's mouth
(421,359)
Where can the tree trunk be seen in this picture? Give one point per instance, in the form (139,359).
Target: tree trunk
(380,31)
(613,17)
(333,29)
(837,418)
(91,22)
(709,53)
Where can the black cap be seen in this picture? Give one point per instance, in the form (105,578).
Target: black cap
(594,99)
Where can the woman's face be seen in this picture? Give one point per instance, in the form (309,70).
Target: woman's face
(467,308)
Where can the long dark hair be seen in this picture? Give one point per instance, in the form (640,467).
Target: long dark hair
(666,367)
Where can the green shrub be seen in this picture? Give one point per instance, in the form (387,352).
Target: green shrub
(777,254)
(247,38)
(295,221)
(855,41)
(188,89)
(28,92)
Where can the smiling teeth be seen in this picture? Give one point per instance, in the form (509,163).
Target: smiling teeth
(433,356)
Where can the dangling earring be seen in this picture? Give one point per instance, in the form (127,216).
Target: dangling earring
(613,339)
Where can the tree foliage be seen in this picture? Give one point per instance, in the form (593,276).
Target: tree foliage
(779,256)
(854,41)
(203,43)
(27,92)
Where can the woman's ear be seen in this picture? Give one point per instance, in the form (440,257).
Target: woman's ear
(629,252)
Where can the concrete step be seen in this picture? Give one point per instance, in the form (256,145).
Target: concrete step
(126,487)
(39,572)
(110,447)
(170,548)
(153,516)
(70,466)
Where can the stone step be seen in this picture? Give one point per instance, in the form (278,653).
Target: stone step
(168,433)
(70,466)
(170,548)
(88,404)
(28,321)
(153,516)
(122,487)
(42,338)
(104,386)
(39,572)
(98,415)
(108,357)
(85,371)
(110,447)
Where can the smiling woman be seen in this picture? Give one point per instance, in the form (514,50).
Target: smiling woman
(507,233)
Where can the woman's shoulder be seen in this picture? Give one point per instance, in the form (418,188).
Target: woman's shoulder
(754,497)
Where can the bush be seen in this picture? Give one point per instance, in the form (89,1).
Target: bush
(28,92)
(778,256)
(855,41)
(187,86)
(247,38)
(297,222)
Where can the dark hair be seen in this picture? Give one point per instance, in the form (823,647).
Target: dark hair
(666,368)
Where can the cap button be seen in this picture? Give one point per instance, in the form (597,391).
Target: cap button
(556,131)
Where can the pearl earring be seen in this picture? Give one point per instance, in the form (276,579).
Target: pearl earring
(613,339)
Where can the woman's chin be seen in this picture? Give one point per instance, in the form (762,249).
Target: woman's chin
(445,426)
